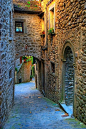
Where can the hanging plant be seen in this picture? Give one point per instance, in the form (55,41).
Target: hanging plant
(51,31)
(43,34)
(24,57)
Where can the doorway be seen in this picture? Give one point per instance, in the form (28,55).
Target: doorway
(68,76)
(68,81)
(43,78)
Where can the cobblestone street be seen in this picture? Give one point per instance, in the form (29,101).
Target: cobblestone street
(33,111)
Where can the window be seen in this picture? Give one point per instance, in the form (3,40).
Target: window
(52,17)
(52,67)
(19,27)
(43,24)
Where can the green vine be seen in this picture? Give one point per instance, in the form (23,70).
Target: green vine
(28,4)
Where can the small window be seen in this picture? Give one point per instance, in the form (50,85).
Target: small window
(43,24)
(52,18)
(52,67)
(19,27)
(10,74)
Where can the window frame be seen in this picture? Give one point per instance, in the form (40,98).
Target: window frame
(43,26)
(50,9)
(22,26)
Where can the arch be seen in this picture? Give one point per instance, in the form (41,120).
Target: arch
(68,43)
(68,74)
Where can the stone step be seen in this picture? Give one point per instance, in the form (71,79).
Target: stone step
(67,109)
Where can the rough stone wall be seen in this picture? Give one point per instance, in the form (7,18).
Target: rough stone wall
(81,81)
(24,72)
(6,60)
(70,22)
(50,55)
(31,36)
(38,82)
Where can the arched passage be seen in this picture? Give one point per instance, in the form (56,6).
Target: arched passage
(68,76)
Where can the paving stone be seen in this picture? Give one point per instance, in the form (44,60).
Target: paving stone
(35,112)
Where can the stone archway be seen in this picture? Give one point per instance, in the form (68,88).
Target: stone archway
(68,76)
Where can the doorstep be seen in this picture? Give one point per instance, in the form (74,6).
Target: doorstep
(67,109)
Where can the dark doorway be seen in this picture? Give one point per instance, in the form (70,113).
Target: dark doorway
(20,80)
(68,77)
(43,78)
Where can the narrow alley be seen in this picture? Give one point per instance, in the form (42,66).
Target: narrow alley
(33,111)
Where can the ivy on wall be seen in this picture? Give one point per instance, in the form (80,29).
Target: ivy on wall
(28,4)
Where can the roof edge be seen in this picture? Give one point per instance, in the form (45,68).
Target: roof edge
(28,12)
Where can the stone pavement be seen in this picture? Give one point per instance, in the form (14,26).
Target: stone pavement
(33,111)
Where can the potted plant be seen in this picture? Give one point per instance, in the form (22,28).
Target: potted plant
(24,58)
(31,77)
(51,32)
(43,34)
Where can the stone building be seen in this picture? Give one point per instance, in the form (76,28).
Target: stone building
(54,32)
(7,57)
(23,72)
(62,69)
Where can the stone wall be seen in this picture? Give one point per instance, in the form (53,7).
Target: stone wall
(29,42)
(81,81)
(6,60)
(70,29)
(24,72)
(70,22)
